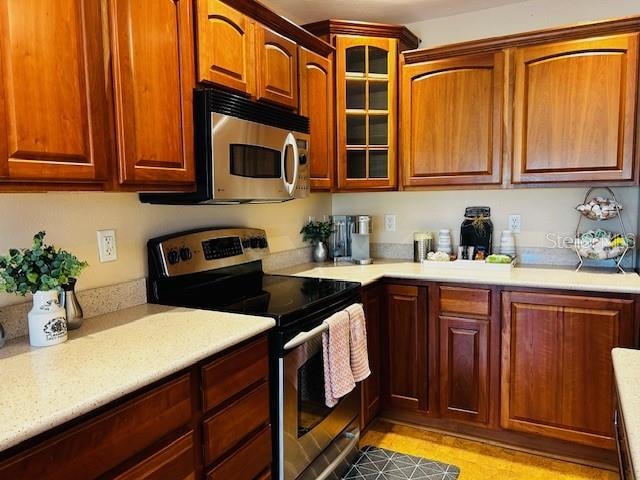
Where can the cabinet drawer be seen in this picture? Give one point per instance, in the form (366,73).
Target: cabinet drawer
(100,444)
(470,301)
(175,461)
(247,462)
(229,426)
(233,373)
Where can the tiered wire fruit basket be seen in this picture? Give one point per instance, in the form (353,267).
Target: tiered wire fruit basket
(601,244)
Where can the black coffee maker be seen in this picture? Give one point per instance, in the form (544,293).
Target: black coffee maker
(476,233)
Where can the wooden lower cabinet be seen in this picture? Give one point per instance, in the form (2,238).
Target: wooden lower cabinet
(464,368)
(406,347)
(557,373)
(469,329)
(175,461)
(530,369)
(158,433)
(373,303)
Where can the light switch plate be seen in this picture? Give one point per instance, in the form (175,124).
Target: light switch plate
(107,249)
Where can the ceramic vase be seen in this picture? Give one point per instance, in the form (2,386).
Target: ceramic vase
(47,320)
(320,252)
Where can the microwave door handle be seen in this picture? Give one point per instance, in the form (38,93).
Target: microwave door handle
(290,141)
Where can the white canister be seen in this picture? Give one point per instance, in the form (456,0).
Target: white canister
(47,320)
(444,241)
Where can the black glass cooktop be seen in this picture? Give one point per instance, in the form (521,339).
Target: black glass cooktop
(285,298)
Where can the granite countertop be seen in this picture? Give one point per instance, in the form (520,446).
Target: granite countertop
(108,357)
(625,366)
(535,277)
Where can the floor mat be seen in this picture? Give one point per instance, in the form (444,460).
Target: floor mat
(379,464)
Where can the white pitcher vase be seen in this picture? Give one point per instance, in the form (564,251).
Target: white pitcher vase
(47,320)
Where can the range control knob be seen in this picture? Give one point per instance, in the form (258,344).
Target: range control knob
(255,242)
(173,257)
(185,253)
(262,242)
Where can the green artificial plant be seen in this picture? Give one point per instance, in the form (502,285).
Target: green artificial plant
(316,231)
(41,267)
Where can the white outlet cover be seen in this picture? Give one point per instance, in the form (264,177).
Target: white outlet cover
(514,223)
(107,248)
(390,223)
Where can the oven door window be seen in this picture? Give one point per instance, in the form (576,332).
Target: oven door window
(252,161)
(312,409)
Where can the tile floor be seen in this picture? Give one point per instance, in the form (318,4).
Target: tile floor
(477,461)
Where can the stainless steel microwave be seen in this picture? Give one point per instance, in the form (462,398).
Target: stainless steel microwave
(246,152)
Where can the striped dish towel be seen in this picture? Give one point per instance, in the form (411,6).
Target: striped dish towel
(338,379)
(358,342)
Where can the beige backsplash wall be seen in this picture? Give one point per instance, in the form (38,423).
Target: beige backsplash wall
(542,211)
(71,221)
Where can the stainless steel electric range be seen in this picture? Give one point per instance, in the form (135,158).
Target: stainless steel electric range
(221,269)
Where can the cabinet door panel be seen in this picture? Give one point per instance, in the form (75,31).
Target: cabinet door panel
(464,364)
(575,110)
(226,46)
(153,71)
(316,102)
(278,68)
(371,387)
(54,118)
(557,375)
(407,347)
(452,121)
(366,118)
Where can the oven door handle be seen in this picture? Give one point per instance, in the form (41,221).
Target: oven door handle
(304,337)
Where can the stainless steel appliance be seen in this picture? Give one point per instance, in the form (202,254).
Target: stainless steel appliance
(351,238)
(246,152)
(221,269)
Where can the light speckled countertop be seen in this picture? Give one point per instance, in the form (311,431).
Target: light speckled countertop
(536,277)
(108,357)
(625,366)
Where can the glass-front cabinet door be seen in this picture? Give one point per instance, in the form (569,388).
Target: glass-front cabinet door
(366,112)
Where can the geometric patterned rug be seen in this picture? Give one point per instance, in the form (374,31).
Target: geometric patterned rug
(380,464)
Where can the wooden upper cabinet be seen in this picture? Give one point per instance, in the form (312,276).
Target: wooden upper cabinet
(153,83)
(575,110)
(317,102)
(53,99)
(452,117)
(366,102)
(557,373)
(226,46)
(277,68)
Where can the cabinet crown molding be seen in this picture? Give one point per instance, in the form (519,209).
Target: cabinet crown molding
(407,39)
(569,32)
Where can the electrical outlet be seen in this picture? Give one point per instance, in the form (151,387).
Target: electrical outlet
(389,223)
(514,223)
(107,250)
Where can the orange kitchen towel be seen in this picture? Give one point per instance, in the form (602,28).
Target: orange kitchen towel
(358,342)
(338,379)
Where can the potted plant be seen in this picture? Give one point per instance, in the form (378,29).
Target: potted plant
(318,233)
(41,270)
